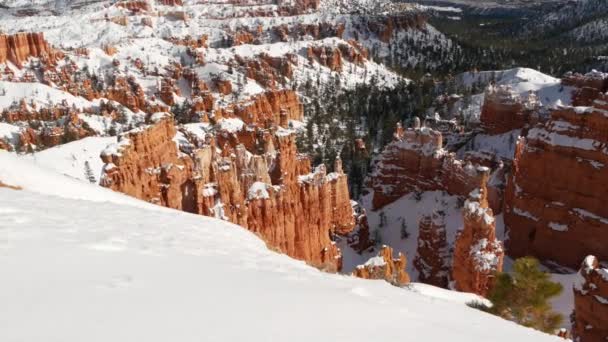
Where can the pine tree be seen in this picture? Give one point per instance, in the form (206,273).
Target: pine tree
(88,173)
(524,295)
(404,233)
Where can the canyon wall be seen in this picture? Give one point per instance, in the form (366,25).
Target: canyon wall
(17,48)
(554,203)
(504,110)
(263,185)
(590,319)
(415,162)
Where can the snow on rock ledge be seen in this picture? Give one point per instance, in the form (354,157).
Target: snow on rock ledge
(591,302)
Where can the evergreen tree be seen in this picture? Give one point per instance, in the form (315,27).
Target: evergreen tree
(524,295)
(88,173)
(404,233)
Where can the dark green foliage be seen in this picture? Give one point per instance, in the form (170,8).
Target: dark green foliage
(523,296)
(337,118)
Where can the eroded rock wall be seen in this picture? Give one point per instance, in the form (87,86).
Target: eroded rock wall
(555,201)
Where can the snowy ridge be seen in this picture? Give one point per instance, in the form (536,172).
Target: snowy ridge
(147,273)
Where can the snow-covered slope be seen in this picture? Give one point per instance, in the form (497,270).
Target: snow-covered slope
(522,80)
(77,270)
(78,159)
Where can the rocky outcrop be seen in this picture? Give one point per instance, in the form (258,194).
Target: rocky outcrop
(170,2)
(590,318)
(415,162)
(386,26)
(554,204)
(135,6)
(268,109)
(274,194)
(478,255)
(385,266)
(432,255)
(504,110)
(327,56)
(17,48)
(269,71)
(588,86)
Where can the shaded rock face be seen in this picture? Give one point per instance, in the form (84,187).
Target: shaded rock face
(588,87)
(17,48)
(432,255)
(503,110)
(478,255)
(273,193)
(590,319)
(555,200)
(415,161)
(385,266)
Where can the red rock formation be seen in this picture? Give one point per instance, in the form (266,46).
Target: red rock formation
(128,93)
(432,255)
(326,56)
(269,71)
(223,86)
(145,165)
(384,266)
(267,109)
(588,87)
(478,255)
(273,195)
(109,50)
(503,110)
(554,204)
(385,26)
(415,161)
(19,47)
(170,2)
(591,302)
(135,6)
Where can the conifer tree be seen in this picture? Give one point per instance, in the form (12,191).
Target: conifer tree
(524,295)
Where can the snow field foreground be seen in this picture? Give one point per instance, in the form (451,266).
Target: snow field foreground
(78,270)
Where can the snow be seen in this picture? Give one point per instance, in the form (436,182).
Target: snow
(27,174)
(587,214)
(502,145)
(376,261)
(409,209)
(39,94)
(521,81)
(231,125)
(70,158)
(558,226)
(112,270)
(524,213)
(258,190)
(562,140)
(9,133)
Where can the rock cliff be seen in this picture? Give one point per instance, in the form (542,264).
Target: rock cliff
(273,193)
(590,319)
(17,48)
(415,162)
(554,204)
(504,110)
